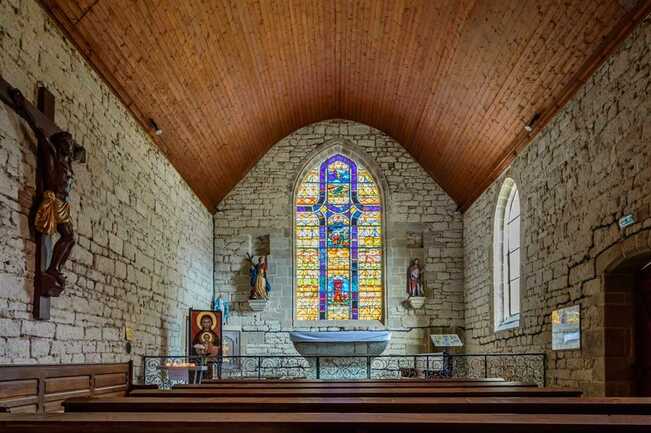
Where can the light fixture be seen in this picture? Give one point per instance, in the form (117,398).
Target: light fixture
(155,127)
(529,126)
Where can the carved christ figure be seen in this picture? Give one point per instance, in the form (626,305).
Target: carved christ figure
(56,153)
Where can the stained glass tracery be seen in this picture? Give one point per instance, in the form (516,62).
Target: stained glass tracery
(338,243)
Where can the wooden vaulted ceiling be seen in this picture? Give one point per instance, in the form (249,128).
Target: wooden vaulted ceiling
(454,81)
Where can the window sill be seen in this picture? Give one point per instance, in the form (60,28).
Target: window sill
(511,323)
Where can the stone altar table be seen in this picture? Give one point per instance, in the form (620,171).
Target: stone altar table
(340,343)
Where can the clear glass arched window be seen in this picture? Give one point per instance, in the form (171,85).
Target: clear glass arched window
(338,243)
(506,257)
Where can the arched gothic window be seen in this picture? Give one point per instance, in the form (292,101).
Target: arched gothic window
(338,243)
(506,257)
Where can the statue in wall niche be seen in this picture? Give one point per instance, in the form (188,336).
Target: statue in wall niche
(56,152)
(415,279)
(260,286)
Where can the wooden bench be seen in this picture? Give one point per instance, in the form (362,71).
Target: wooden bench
(350,381)
(361,385)
(42,388)
(140,422)
(531,405)
(362,392)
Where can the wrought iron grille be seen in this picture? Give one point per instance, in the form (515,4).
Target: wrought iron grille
(166,371)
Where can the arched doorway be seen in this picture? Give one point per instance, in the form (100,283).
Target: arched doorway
(643,330)
(627,327)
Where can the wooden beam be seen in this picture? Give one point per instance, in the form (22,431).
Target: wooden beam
(44,119)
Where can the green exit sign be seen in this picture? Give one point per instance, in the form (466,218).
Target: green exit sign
(626,220)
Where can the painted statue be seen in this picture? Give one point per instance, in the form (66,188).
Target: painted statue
(260,286)
(56,153)
(415,279)
(219,304)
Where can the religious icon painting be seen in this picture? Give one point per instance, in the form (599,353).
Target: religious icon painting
(204,333)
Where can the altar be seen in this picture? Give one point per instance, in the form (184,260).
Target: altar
(340,343)
(184,373)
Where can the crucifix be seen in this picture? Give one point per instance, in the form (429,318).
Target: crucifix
(50,216)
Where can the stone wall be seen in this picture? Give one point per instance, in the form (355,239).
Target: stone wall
(421,221)
(144,251)
(587,168)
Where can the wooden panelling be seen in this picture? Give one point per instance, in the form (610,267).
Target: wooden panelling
(42,388)
(62,384)
(31,408)
(54,406)
(108,380)
(18,388)
(454,81)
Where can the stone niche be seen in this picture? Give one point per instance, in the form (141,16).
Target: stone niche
(341,343)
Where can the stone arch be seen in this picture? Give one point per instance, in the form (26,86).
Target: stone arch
(507,189)
(620,266)
(351,150)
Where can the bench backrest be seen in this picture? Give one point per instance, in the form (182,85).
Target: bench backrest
(324,393)
(42,388)
(351,381)
(531,405)
(251,422)
(359,385)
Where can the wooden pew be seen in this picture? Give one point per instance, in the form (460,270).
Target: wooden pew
(363,392)
(532,405)
(42,388)
(351,381)
(140,422)
(336,384)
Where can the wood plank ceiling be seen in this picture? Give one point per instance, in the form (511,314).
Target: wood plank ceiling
(454,81)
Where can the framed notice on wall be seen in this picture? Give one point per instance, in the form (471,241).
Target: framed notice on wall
(204,333)
(566,328)
(446,340)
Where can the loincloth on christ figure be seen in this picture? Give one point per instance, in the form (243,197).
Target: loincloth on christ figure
(51,212)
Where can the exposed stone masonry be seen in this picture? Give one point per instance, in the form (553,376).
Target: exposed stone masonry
(143,253)
(422,221)
(590,166)
(145,242)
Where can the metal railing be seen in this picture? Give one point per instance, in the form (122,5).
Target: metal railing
(166,371)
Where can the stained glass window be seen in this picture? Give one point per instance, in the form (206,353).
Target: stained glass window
(338,243)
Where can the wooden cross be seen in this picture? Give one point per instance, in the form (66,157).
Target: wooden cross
(42,117)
